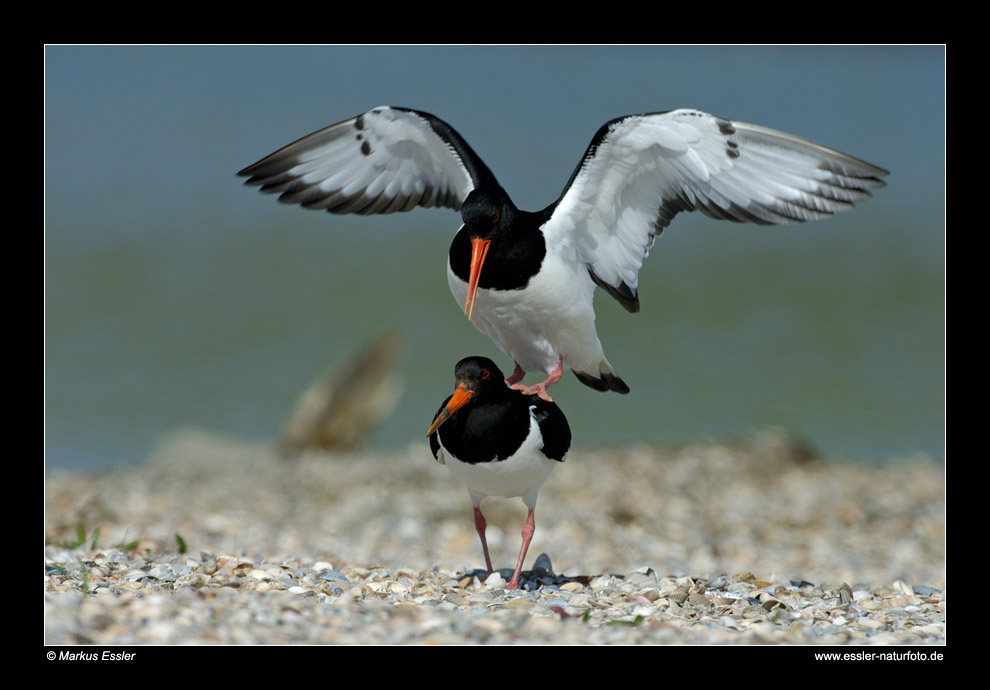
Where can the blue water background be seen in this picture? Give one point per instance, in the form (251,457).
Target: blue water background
(174,296)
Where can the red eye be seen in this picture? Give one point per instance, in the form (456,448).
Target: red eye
(485,373)
(495,218)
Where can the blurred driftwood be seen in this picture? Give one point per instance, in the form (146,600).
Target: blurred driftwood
(340,408)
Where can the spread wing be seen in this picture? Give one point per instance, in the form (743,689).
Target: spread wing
(386,160)
(641,170)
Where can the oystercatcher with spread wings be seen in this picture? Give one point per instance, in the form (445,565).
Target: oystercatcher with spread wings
(526,279)
(498,442)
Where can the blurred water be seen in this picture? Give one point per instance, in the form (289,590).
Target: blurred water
(175,296)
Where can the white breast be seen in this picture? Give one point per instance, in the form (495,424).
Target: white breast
(521,475)
(553,315)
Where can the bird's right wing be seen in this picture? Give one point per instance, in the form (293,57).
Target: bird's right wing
(554,428)
(386,160)
(641,170)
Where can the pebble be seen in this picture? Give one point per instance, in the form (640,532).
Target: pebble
(438,608)
(713,544)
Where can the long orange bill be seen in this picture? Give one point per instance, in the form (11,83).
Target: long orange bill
(456,402)
(479,249)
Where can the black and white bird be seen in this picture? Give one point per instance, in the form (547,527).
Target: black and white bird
(498,442)
(526,279)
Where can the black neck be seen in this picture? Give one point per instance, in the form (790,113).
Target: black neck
(514,257)
(486,431)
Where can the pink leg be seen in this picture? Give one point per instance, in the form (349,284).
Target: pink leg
(481,526)
(540,389)
(527,536)
(517,375)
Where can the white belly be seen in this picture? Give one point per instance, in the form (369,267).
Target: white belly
(520,475)
(552,316)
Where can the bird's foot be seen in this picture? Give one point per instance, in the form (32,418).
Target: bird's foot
(540,389)
(517,375)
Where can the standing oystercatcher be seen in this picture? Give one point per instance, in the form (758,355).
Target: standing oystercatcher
(498,442)
(527,280)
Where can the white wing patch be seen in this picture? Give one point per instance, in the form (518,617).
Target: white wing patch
(644,169)
(383,161)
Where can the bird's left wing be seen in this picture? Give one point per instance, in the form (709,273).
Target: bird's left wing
(641,170)
(386,160)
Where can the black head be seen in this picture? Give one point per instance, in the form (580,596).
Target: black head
(478,373)
(498,248)
(487,211)
(478,378)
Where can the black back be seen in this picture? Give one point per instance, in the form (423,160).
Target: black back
(495,422)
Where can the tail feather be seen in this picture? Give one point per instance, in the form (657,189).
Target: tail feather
(607,379)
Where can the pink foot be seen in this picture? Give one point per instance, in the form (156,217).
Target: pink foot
(540,389)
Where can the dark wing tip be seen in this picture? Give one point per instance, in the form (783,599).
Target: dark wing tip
(625,295)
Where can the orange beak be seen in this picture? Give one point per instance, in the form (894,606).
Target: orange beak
(460,398)
(479,249)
